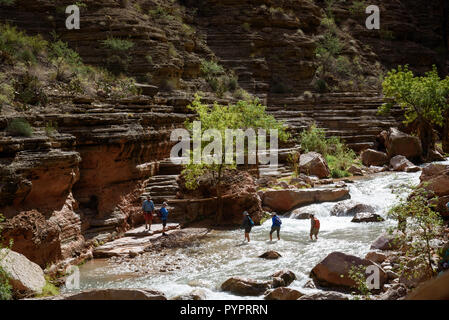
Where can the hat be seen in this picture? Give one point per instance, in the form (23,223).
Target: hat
(246,213)
(164,204)
(273,213)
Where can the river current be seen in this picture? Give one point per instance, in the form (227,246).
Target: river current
(222,254)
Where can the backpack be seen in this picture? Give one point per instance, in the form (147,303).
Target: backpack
(278,220)
(317,223)
(159,213)
(251,222)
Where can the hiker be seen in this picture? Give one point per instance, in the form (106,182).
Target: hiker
(148,210)
(275,226)
(247,224)
(164,214)
(314,227)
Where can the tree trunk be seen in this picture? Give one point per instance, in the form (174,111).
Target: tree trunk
(445,138)
(425,133)
(218,216)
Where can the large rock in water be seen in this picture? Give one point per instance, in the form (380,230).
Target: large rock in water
(350,208)
(270,255)
(283,294)
(285,200)
(334,270)
(435,178)
(372,157)
(245,287)
(314,164)
(401,163)
(367,217)
(386,242)
(326,295)
(286,275)
(26,277)
(400,143)
(112,294)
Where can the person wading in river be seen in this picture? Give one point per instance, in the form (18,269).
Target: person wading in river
(275,226)
(148,210)
(314,227)
(164,215)
(247,224)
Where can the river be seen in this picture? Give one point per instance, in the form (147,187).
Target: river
(210,261)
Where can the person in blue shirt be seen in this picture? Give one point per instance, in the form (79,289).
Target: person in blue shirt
(164,216)
(275,226)
(148,211)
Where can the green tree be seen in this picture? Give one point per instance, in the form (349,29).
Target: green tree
(5,286)
(243,115)
(418,223)
(424,100)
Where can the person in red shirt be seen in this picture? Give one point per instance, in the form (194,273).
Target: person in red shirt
(314,227)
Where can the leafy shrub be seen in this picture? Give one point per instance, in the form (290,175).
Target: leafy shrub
(19,127)
(321,85)
(116,44)
(211,68)
(419,224)
(17,46)
(30,90)
(357,9)
(118,59)
(7,2)
(5,286)
(338,156)
(6,91)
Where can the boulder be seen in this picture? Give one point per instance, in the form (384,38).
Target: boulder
(376,256)
(112,294)
(285,200)
(386,242)
(400,143)
(396,292)
(432,170)
(197,294)
(401,163)
(355,171)
(286,275)
(270,255)
(350,208)
(245,287)
(372,157)
(367,217)
(25,276)
(283,294)
(334,270)
(326,295)
(300,214)
(314,164)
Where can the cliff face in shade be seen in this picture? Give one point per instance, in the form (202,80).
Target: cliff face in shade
(81,186)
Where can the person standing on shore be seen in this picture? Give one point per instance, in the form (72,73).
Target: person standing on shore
(148,211)
(275,226)
(314,227)
(247,224)
(164,215)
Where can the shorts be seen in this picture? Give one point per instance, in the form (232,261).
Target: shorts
(164,223)
(148,215)
(248,229)
(314,231)
(275,228)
